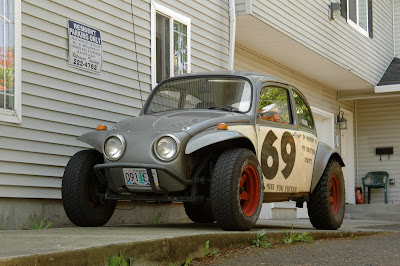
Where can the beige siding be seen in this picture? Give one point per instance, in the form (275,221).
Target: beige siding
(307,22)
(59,102)
(378,124)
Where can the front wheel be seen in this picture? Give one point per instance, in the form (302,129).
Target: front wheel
(237,190)
(327,202)
(83,193)
(199,212)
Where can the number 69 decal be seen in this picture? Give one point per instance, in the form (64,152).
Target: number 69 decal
(270,151)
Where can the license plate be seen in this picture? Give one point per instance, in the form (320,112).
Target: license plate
(138,177)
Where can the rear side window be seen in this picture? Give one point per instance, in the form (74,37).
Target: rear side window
(277,100)
(304,117)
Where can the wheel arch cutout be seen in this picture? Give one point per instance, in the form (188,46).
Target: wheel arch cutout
(208,138)
(324,154)
(94,139)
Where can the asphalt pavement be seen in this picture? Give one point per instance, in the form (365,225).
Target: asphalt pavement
(378,249)
(153,244)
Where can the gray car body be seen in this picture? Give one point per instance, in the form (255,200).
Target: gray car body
(195,129)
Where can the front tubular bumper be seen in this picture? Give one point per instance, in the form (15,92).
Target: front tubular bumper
(115,185)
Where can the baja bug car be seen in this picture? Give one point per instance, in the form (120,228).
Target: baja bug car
(221,143)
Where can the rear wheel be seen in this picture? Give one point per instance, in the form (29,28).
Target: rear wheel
(83,193)
(236,190)
(327,202)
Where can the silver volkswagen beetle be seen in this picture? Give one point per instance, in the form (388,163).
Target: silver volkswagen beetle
(220,142)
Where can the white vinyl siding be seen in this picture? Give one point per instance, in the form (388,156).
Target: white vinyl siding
(308,23)
(378,125)
(59,103)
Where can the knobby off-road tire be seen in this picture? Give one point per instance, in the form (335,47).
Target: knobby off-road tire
(199,212)
(327,202)
(82,191)
(237,189)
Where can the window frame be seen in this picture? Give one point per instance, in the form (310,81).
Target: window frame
(174,16)
(304,100)
(356,25)
(289,102)
(15,116)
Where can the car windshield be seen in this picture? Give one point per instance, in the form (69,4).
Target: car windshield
(230,94)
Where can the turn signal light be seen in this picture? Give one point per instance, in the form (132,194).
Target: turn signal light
(101,127)
(222,126)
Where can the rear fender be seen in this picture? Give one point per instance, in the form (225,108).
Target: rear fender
(206,138)
(324,154)
(94,139)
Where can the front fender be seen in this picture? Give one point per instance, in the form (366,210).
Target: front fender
(209,137)
(324,154)
(94,139)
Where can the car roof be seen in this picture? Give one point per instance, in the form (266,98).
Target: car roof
(254,77)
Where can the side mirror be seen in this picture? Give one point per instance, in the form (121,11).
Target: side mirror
(269,110)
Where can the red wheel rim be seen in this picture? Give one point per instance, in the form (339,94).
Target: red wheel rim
(249,191)
(334,194)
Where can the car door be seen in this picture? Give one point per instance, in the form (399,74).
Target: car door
(307,137)
(279,141)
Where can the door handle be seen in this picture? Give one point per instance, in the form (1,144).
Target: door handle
(297,135)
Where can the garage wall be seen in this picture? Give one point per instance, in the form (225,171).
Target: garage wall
(59,103)
(378,124)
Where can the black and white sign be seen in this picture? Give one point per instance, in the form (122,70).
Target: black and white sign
(85,47)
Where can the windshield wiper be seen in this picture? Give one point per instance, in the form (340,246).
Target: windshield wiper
(226,108)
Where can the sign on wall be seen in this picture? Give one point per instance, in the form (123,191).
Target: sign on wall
(85,47)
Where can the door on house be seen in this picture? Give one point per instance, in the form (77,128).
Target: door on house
(324,123)
(347,153)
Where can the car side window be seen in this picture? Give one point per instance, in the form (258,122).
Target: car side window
(274,105)
(304,116)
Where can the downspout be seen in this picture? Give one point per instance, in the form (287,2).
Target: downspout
(394,28)
(232,33)
(356,140)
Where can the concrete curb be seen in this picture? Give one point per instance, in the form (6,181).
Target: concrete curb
(162,251)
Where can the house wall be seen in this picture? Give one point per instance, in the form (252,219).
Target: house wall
(317,94)
(307,22)
(59,103)
(378,125)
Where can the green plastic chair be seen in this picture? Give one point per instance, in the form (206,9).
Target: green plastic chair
(376,180)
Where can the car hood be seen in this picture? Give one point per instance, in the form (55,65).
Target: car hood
(190,121)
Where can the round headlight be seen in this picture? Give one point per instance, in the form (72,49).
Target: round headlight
(166,148)
(114,147)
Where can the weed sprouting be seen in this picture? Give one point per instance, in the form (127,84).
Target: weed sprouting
(41,224)
(158,217)
(119,261)
(261,240)
(206,250)
(292,237)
